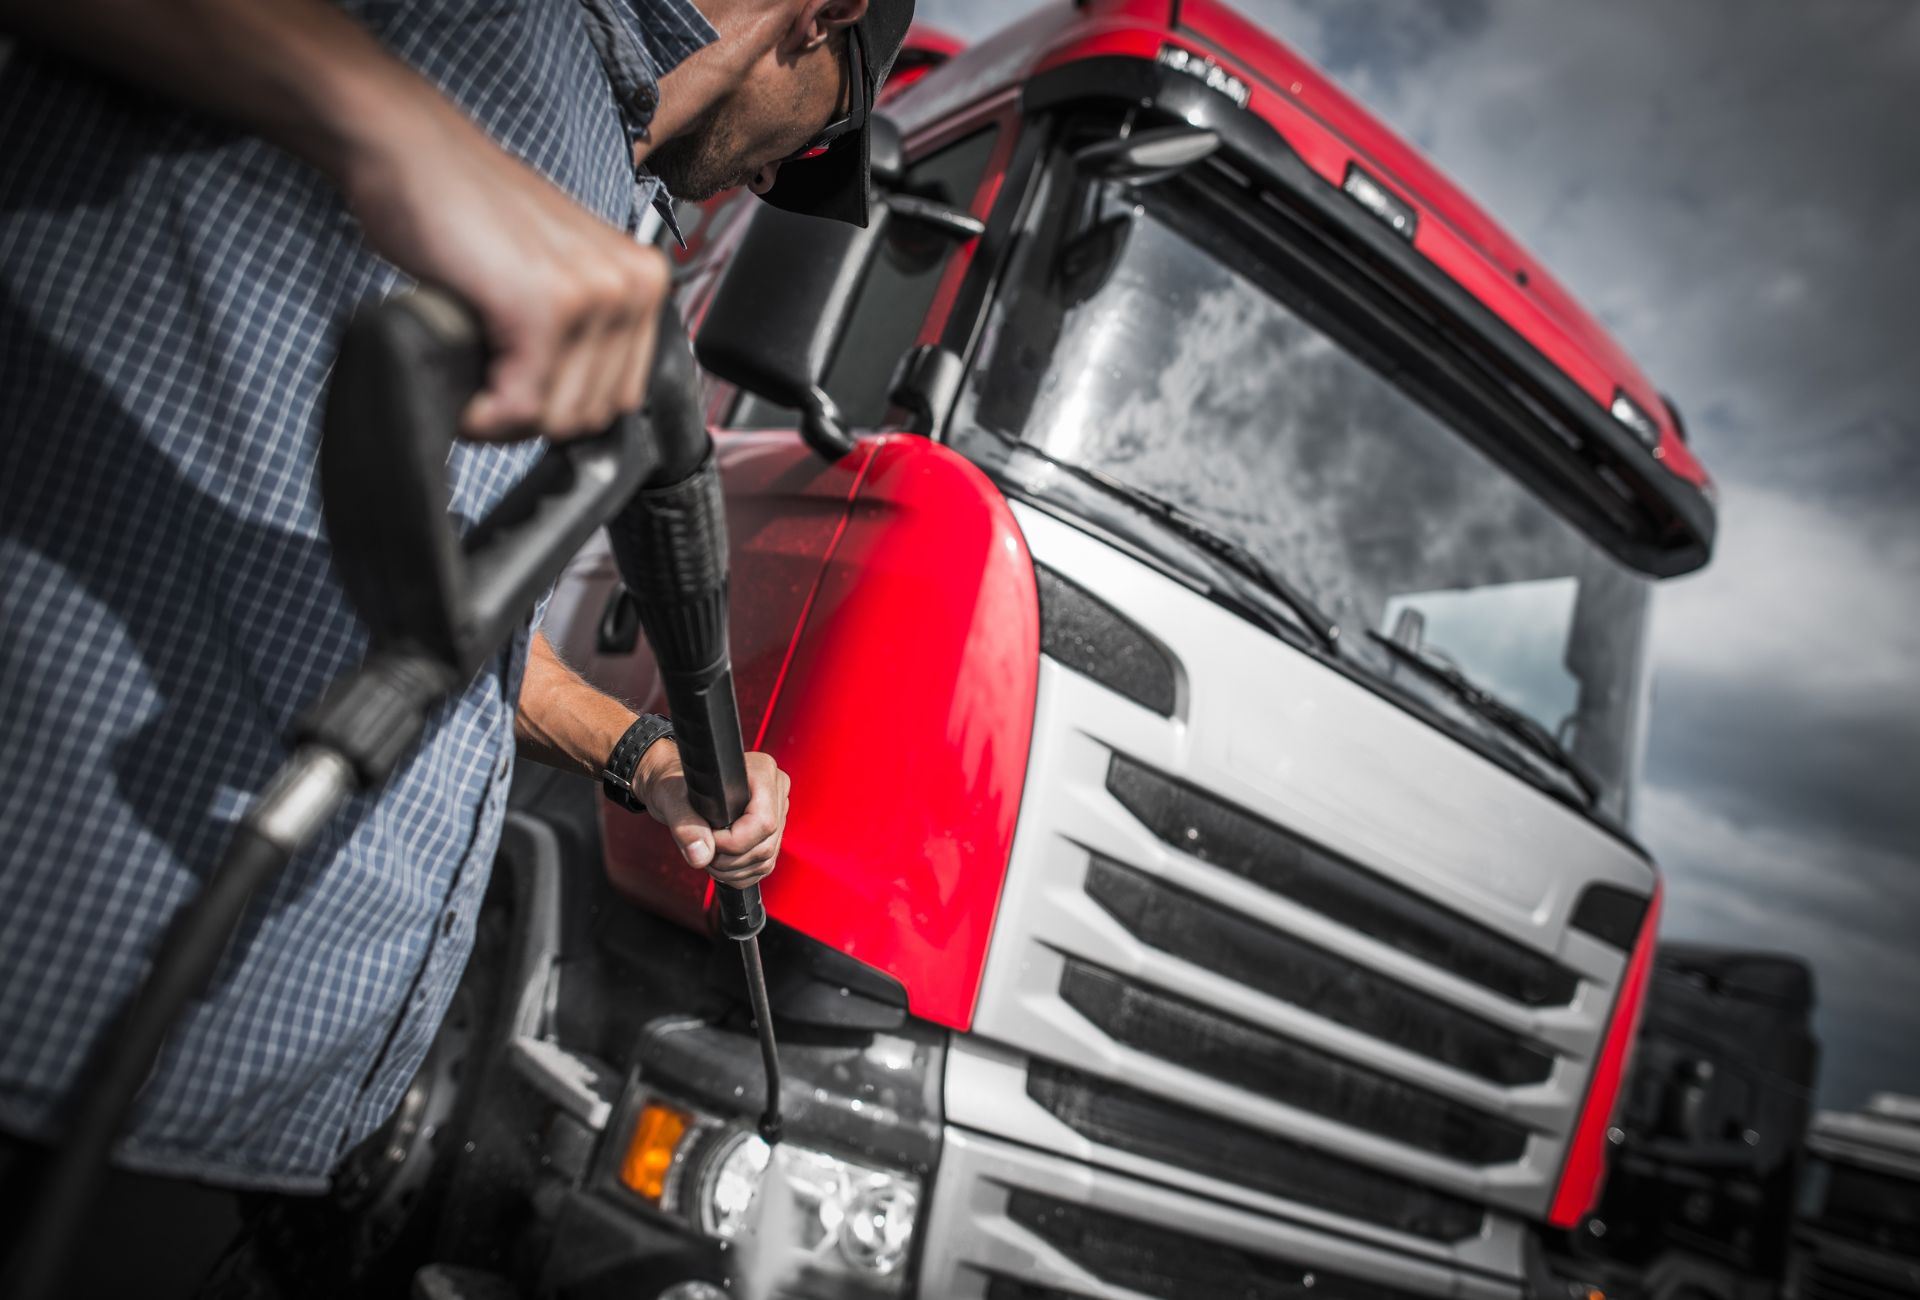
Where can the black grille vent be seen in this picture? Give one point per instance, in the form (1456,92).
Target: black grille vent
(1006,1288)
(1200,1039)
(1092,638)
(1144,1125)
(1170,1265)
(1611,914)
(1258,851)
(1223,941)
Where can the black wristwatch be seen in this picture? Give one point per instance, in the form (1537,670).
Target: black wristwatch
(616,778)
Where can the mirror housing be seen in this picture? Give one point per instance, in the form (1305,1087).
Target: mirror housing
(772,324)
(886,152)
(1147,156)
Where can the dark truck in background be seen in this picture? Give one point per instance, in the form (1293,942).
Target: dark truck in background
(1857,1235)
(1195,567)
(1705,1178)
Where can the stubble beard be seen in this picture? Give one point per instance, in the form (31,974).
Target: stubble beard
(700,162)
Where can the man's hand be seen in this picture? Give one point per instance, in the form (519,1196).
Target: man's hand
(565,722)
(567,302)
(744,853)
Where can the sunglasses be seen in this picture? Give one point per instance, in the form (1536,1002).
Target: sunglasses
(856,114)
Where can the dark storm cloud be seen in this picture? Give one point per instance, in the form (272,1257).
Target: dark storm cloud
(1734,189)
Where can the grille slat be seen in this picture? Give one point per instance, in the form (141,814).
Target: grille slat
(1141,1124)
(1234,840)
(1218,939)
(1094,639)
(1197,1038)
(1171,1265)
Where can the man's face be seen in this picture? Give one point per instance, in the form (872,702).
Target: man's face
(783,102)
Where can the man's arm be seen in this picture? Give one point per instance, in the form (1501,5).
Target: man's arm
(565,722)
(567,301)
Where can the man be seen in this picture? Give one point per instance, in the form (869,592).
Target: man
(192,195)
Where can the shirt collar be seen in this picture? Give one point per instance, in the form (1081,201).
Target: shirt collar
(639,42)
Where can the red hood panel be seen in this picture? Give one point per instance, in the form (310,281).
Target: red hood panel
(905,722)
(785,508)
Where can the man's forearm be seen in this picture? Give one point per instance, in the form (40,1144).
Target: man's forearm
(563,720)
(298,72)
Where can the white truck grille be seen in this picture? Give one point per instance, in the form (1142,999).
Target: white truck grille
(1269,940)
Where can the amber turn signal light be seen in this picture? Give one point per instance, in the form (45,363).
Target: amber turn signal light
(656,1136)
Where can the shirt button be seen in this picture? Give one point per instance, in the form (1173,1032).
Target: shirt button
(448,921)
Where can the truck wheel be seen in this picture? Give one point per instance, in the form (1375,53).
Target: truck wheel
(377,1227)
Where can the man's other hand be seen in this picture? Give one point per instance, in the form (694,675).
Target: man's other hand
(568,303)
(743,853)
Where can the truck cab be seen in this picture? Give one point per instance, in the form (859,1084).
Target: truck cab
(1857,1232)
(1195,568)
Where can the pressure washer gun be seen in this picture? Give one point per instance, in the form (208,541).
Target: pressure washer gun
(437,607)
(670,544)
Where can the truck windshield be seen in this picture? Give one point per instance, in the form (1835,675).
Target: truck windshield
(1155,351)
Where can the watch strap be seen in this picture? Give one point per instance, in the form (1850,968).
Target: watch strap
(616,778)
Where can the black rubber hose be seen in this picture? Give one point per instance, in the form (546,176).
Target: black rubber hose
(123,1057)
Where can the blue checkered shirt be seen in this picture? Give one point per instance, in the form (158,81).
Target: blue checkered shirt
(170,290)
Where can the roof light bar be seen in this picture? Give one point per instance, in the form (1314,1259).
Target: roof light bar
(1395,213)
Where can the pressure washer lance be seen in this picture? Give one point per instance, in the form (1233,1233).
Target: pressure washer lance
(670,543)
(437,606)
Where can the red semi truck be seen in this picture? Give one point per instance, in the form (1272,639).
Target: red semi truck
(1195,568)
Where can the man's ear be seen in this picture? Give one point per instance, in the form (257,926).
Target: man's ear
(818,18)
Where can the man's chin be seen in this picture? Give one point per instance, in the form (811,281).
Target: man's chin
(698,189)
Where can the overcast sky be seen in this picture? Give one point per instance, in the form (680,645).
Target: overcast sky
(1734,188)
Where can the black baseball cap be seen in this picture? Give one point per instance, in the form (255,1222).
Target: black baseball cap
(836,184)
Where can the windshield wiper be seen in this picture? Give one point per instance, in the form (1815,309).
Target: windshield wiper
(1497,711)
(1237,557)
(1306,615)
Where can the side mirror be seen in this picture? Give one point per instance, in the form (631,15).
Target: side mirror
(886,152)
(1147,156)
(771,326)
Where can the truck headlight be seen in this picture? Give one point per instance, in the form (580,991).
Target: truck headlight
(809,1221)
(732,1185)
(801,1209)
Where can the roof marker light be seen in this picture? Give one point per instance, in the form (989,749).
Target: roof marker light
(1393,211)
(1628,412)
